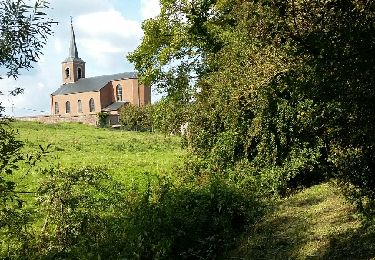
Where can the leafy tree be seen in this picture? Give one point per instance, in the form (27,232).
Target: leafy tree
(23,33)
(169,115)
(284,87)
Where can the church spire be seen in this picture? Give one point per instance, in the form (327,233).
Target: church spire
(73,52)
(73,67)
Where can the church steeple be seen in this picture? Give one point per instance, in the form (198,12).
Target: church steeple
(73,52)
(73,67)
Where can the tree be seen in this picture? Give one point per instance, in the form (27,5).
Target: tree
(23,30)
(284,87)
(23,33)
(169,114)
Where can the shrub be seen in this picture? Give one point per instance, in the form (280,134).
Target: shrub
(81,208)
(190,221)
(136,118)
(89,215)
(103,119)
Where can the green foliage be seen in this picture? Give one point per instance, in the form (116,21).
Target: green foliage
(15,218)
(89,215)
(285,87)
(165,116)
(86,214)
(103,119)
(79,207)
(23,33)
(136,118)
(12,217)
(169,115)
(193,220)
(125,154)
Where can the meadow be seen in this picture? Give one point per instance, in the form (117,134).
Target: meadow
(128,156)
(112,194)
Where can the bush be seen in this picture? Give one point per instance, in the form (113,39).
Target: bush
(136,118)
(103,119)
(89,215)
(81,211)
(191,221)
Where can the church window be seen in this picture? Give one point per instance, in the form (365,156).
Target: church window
(67,73)
(119,93)
(67,107)
(79,72)
(56,108)
(92,105)
(79,106)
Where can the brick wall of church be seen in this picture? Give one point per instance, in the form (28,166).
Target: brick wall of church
(129,92)
(73,99)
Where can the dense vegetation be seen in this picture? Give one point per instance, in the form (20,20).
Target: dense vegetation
(279,93)
(87,198)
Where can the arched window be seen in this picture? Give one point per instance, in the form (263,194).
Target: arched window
(119,93)
(56,108)
(67,107)
(67,73)
(92,105)
(79,73)
(79,106)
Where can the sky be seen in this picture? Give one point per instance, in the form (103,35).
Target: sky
(106,31)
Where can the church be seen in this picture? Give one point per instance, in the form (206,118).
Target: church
(80,99)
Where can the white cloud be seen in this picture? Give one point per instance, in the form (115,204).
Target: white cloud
(103,38)
(58,45)
(106,23)
(150,8)
(107,32)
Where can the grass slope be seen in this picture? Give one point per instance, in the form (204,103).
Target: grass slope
(126,155)
(316,223)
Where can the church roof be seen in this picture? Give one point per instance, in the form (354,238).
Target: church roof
(115,106)
(92,84)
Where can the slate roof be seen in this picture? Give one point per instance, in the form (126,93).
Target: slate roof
(92,84)
(73,51)
(115,106)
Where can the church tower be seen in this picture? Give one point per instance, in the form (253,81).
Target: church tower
(73,67)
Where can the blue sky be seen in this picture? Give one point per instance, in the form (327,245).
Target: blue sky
(106,30)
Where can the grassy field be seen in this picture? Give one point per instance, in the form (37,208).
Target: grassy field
(128,156)
(316,223)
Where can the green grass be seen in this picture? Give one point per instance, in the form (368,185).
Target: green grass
(317,223)
(126,155)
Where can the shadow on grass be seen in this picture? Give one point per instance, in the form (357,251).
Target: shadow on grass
(359,244)
(276,239)
(313,224)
